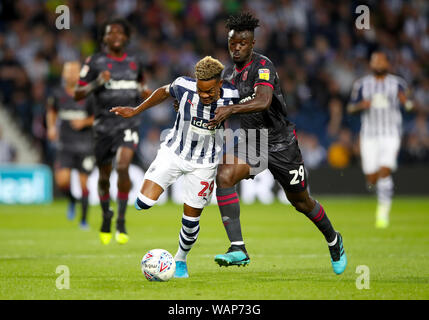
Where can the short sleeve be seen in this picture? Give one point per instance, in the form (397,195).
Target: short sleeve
(90,105)
(88,72)
(356,95)
(265,73)
(141,69)
(174,92)
(402,85)
(52,101)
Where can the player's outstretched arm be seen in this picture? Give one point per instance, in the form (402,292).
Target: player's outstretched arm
(261,102)
(158,96)
(358,107)
(405,101)
(79,124)
(51,119)
(82,92)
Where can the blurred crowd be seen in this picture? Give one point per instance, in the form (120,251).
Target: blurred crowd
(315,45)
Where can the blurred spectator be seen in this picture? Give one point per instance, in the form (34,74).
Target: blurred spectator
(335,118)
(314,44)
(7,151)
(416,146)
(313,153)
(149,147)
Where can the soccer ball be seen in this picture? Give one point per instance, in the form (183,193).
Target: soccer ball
(158,265)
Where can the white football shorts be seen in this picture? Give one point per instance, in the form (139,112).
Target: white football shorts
(198,182)
(377,152)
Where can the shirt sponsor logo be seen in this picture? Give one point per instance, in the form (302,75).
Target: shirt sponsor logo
(72,114)
(84,71)
(201,126)
(121,84)
(264,74)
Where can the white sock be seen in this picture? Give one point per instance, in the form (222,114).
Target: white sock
(384,197)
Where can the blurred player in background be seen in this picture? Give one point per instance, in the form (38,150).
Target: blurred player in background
(378,98)
(262,106)
(190,148)
(113,77)
(69,123)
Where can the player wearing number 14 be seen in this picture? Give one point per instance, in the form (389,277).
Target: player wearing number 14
(191,149)
(113,77)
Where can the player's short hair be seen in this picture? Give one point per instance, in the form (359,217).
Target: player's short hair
(124,23)
(381,51)
(208,68)
(71,63)
(242,22)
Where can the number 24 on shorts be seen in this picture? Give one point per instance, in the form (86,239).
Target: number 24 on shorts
(131,136)
(296,173)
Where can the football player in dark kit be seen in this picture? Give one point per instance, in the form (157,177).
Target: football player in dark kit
(262,106)
(69,123)
(113,77)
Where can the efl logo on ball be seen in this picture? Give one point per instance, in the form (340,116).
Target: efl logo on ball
(158,265)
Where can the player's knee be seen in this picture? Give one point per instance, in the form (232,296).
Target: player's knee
(304,206)
(63,184)
(103,184)
(122,168)
(223,179)
(144,203)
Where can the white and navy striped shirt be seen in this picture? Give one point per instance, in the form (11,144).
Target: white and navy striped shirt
(383,118)
(190,137)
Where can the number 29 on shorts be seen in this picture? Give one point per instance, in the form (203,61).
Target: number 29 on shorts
(297,174)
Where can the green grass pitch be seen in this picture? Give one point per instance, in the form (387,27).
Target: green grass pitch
(289,257)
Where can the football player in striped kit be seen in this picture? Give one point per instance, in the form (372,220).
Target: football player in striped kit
(378,98)
(190,149)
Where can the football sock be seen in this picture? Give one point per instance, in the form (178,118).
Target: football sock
(107,213)
(384,196)
(122,207)
(320,219)
(105,202)
(229,206)
(67,192)
(84,202)
(187,236)
(334,242)
(143,202)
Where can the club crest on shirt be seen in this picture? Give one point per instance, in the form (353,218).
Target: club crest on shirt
(264,74)
(244,77)
(84,71)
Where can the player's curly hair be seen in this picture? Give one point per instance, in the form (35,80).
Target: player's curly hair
(208,68)
(124,23)
(242,22)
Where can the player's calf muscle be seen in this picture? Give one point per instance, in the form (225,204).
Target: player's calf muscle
(301,201)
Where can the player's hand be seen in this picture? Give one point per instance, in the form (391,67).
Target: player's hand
(103,77)
(52,134)
(125,112)
(221,114)
(176,105)
(78,124)
(365,104)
